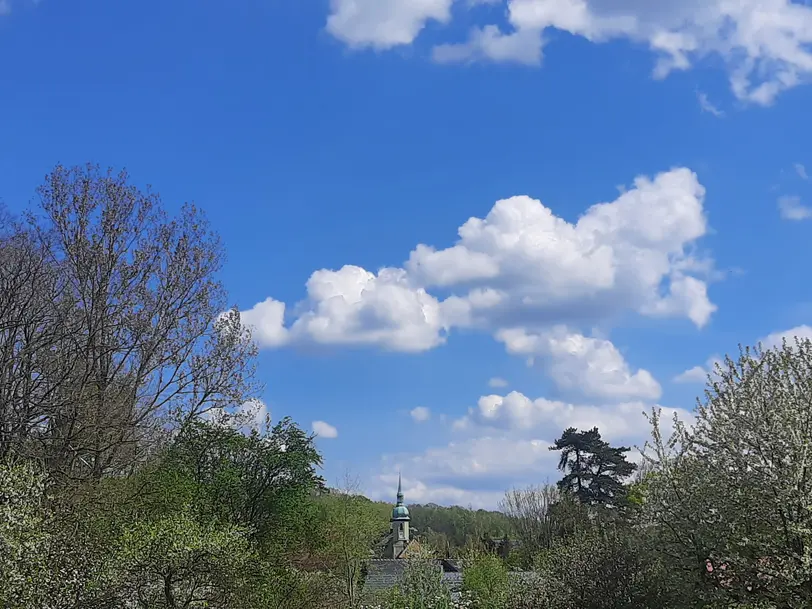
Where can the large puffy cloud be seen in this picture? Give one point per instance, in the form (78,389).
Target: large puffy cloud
(354,306)
(593,366)
(520,266)
(630,253)
(766,43)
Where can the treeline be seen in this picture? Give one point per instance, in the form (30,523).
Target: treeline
(132,474)
(452,530)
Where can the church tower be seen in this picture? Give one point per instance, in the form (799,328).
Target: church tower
(400,524)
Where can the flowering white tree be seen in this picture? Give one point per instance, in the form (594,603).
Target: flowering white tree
(45,562)
(731,495)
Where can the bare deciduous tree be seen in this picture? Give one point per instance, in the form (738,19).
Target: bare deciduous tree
(112,325)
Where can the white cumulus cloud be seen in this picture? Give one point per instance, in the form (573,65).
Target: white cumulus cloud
(353,306)
(516,412)
(415,490)
(699,374)
(324,430)
(766,45)
(266,320)
(519,266)
(592,366)
(776,338)
(383,24)
(490,44)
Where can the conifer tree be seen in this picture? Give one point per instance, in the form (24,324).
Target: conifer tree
(594,470)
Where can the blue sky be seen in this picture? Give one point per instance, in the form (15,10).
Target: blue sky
(329,140)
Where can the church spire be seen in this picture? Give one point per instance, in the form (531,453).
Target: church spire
(400,523)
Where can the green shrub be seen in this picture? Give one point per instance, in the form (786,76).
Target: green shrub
(487,579)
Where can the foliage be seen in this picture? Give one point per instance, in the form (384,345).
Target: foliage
(422,588)
(449,529)
(608,569)
(540,517)
(487,579)
(48,559)
(262,481)
(351,524)
(177,561)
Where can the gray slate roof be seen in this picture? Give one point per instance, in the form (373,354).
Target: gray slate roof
(386,573)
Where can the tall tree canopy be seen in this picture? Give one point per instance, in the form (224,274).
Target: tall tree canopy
(594,470)
(112,326)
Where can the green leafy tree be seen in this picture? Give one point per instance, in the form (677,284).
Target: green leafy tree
(263,480)
(487,579)
(176,561)
(351,525)
(457,525)
(594,470)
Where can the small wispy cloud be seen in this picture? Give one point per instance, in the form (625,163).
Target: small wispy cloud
(707,106)
(699,374)
(791,208)
(497,382)
(801,171)
(420,414)
(324,430)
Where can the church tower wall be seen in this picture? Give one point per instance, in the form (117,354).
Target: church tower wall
(400,524)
